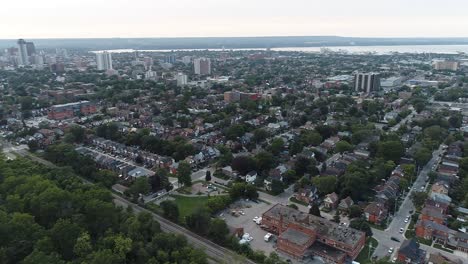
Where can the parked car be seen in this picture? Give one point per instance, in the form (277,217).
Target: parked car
(395,239)
(401,230)
(390,251)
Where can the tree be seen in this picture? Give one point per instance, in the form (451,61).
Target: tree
(64,235)
(409,170)
(343,146)
(264,161)
(311,138)
(277,187)
(170,210)
(199,220)
(259,135)
(422,156)
(325,184)
(243,164)
(355,211)
(140,186)
(184,173)
(208,176)
(361,224)
(315,210)
(218,230)
(276,146)
(83,245)
(301,165)
(336,217)
(391,150)
(418,198)
(76,134)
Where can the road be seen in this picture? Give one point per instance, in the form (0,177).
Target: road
(403,121)
(216,253)
(398,221)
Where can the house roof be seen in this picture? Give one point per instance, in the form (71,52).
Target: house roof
(410,249)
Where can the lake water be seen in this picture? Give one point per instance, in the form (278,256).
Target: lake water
(440,49)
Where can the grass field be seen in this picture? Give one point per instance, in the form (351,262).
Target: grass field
(363,257)
(188,204)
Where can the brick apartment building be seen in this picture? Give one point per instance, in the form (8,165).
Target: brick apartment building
(64,111)
(301,235)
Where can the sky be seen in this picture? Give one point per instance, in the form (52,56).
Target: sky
(229,18)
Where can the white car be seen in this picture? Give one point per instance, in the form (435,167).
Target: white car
(390,251)
(255,219)
(406,220)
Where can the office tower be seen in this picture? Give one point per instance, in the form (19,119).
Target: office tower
(202,66)
(367,82)
(30,48)
(22,52)
(182,79)
(170,59)
(104,61)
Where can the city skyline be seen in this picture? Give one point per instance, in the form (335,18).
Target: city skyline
(208,18)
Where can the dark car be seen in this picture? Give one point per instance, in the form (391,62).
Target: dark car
(395,239)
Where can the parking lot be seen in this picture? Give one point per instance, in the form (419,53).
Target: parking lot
(249,210)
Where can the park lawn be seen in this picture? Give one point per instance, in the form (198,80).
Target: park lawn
(187,205)
(363,256)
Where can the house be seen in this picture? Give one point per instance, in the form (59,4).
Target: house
(278,172)
(437,258)
(376,213)
(330,201)
(433,214)
(410,252)
(228,171)
(432,231)
(269,180)
(251,177)
(461,241)
(345,204)
(443,207)
(440,187)
(307,194)
(442,198)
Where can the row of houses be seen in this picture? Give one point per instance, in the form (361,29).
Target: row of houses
(433,220)
(125,170)
(376,212)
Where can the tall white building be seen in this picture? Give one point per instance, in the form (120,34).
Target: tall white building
(182,79)
(23,58)
(104,61)
(202,66)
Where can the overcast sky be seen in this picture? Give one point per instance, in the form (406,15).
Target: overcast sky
(217,18)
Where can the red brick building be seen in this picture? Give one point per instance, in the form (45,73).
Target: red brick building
(64,111)
(431,230)
(433,214)
(301,235)
(376,213)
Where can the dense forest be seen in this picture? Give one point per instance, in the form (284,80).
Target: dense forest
(48,215)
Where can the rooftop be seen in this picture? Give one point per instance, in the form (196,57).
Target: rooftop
(322,227)
(295,236)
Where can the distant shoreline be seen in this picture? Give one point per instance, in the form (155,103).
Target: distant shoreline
(231,42)
(377,49)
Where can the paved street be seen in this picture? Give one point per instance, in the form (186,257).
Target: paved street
(403,121)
